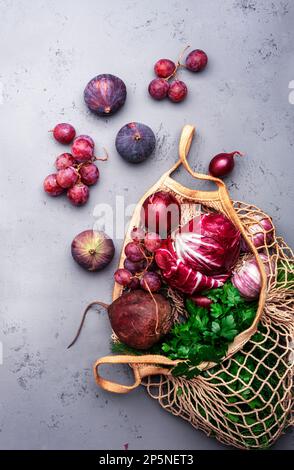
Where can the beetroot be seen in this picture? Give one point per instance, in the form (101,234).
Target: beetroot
(139,319)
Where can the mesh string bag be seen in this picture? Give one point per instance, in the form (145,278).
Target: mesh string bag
(245,400)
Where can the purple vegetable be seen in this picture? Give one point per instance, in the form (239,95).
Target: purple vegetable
(209,244)
(135,142)
(105,94)
(201,255)
(246,277)
(262,232)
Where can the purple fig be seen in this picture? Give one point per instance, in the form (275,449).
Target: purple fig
(93,250)
(105,94)
(135,142)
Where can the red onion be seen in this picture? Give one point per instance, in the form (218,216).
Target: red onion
(161,213)
(257,231)
(222,164)
(246,277)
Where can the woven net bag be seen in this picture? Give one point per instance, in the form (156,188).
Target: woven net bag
(246,400)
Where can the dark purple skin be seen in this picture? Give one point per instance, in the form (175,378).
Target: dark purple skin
(93,250)
(135,266)
(135,142)
(105,94)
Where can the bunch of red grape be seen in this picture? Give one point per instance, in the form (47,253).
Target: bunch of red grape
(139,266)
(166,70)
(76,171)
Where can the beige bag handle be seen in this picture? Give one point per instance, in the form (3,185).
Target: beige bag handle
(146,368)
(185,143)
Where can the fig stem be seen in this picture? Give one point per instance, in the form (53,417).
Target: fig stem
(96,302)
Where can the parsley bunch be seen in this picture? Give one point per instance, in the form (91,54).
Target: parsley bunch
(206,335)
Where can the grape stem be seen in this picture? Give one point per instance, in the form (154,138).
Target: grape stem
(178,64)
(102,159)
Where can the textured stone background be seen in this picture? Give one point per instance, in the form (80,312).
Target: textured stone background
(49,51)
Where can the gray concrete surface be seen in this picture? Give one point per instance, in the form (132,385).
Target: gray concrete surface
(49,50)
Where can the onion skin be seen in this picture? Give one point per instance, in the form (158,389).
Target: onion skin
(93,250)
(222,164)
(105,94)
(257,231)
(246,277)
(161,213)
(139,319)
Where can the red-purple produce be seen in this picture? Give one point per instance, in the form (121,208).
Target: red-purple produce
(150,282)
(64,133)
(51,186)
(152,242)
(223,163)
(158,88)
(139,319)
(196,60)
(164,68)
(246,276)
(201,255)
(123,277)
(64,160)
(137,234)
(67,178)
(89,173)
(262,232)
(135,142)
(177,91)
(78,194)
(105,94)
(161,213)
(134,252)
(135,266)
(93,250)
(82,149)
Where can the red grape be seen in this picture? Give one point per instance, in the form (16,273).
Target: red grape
(88,139)
(158,88)
(78,194)
(67,178)
(152,242)
(137,234)
(177,91)
(51,186)
(135,283)
(134,252)
(64,161)
(196,60)
(82,149)
(89,173)
(64,133)
(123,277)
(164,68)
(151,281)
(135,266)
